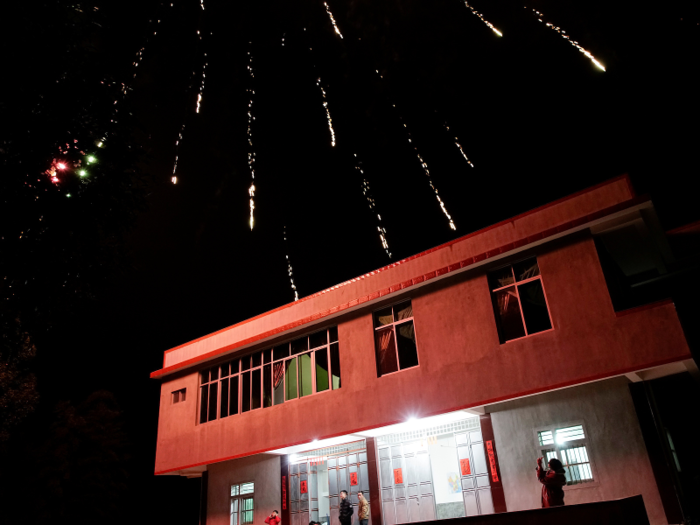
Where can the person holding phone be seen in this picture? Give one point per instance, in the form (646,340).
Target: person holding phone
(553,481)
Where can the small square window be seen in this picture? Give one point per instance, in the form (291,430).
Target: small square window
(179,395)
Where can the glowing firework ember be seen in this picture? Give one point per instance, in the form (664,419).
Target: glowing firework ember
(201,87)
(566,37)
(177,153)
(330,15)
(481,17)
(251,153)
(289,269)
(373,208)
(328,113)
(459,146)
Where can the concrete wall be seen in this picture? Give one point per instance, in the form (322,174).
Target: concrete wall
(263,469)
(615,445)
(462,362)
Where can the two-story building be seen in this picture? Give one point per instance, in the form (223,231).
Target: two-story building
(433,384)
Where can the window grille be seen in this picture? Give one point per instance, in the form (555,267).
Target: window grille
(568,445)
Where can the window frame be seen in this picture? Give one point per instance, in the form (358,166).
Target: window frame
(393,325)
(585,441)
(516,284)
(178,396)
(330,345)
(240,497)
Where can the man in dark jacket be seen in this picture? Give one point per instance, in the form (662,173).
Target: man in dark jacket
(345,509)
(553,481)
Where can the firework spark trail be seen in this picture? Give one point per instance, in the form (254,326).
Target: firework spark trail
(460,147)
(201,4)
(373,206)
(289,269)
(566,37)
(251,152)
(201,86)
(489,24)
(328,113)
(330,15)
(177,153)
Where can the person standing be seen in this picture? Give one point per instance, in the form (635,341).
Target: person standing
(362,509)
(553,481)
(346,510)
(273,519)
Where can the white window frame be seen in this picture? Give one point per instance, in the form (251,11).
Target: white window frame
(394,325)
(585,441)
(240,497)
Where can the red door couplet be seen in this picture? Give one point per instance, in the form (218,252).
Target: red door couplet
(466,468)
(492,461)
(304,488)
(353,478)
(398,476)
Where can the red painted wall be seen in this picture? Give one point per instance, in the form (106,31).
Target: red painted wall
(462,363)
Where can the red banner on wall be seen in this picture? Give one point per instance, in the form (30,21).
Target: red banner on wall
(466,468)
(303,487)
(398,476)
(284,492)
(353,478)
(492,461)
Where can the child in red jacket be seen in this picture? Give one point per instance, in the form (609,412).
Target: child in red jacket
(273,519)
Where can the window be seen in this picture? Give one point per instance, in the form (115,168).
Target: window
(179,395)
(242,505)
(519,301)
(568,445)
(299,368)
(395,339)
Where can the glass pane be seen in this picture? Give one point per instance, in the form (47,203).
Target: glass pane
(213,393)
(534,307)
(245,392)
(569,433)
(508,318)
(526,269)
(545,437)
(245,363)
(256,401)
(225,370)
(234,492)
(383,317)
(300,345)
(204,376)
(321,370)
(247,488)
(257,359)
(403,311)
(267,385)
(278,382)
(176,396)
(214,373)
(335,366)
(318,339)
(280,352)
(223,412)
(183,394)
(233,402)
(267,356)
(406,342)
(333,334)
(386,351)
(203,399)
(290,378)
(305,384)
(501,277)
(235,366)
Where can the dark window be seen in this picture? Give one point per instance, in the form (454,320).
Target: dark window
(519,301)
(179,395)
(395,338)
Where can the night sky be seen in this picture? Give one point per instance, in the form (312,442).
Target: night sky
(537,119)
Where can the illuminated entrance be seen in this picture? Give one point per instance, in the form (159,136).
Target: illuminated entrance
(434,473)
(317,477)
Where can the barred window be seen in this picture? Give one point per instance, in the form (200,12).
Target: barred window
(568,445)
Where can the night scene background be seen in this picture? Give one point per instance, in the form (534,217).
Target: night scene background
(104,270)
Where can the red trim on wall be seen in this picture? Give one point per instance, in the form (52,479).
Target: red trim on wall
(624,177)
(643,307)
(556,386)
